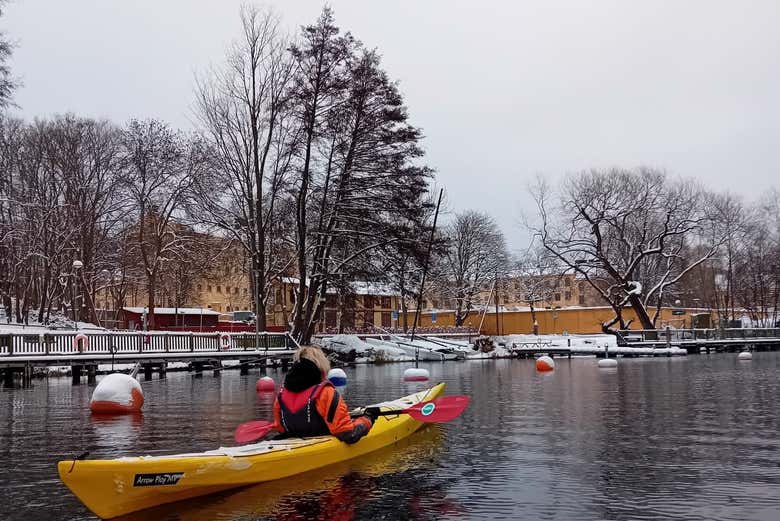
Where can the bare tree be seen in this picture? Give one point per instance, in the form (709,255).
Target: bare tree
(159,168)
(243,109)
(630,234)
(475,257)
(537,274)
(7,83)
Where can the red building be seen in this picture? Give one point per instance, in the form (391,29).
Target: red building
(176,319)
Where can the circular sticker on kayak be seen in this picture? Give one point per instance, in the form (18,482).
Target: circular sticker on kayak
(428,409)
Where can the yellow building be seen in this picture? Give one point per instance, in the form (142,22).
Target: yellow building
(517,291)
(575,320)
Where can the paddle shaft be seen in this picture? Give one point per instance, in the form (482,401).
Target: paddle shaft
(438,410)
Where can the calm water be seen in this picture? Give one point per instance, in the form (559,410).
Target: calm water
(695,438)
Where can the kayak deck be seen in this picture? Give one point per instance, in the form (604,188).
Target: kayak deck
(119,486)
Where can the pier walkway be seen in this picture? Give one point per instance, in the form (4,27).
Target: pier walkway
(84,351)
(696,341)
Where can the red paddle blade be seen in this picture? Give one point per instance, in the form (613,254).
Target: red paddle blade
(251,431)
(439,410)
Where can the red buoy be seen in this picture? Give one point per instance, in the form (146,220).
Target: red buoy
(266,385)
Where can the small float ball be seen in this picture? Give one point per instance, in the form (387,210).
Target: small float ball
(117,393)
(337,377)
(265,385)
(607,362)
(416,375)
(545,363)
(745,355)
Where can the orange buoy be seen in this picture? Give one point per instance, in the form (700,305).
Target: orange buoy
(265,385)
(117,393)
(545,363)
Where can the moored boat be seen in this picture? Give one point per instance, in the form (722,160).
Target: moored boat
(115,487)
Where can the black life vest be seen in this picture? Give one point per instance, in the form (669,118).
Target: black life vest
(307,421)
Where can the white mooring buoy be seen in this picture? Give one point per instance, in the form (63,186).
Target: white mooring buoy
(117,393)
(415,374)
(337,377)
(607,362)
(745,355)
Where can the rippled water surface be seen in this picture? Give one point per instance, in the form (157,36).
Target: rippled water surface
(695,438)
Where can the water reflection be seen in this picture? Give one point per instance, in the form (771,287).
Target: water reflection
(116,432)
(656,439)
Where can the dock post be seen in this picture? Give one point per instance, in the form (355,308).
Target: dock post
(285,364)
(198,368)
(163,369)
(244,364)
(27,373)
(91,374)
(75,372)
(668,338)
(217,368)
(147,372)
(8,378)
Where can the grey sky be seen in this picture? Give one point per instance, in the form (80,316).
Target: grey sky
(503,90)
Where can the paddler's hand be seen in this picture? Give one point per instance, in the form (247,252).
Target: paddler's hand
(372,413)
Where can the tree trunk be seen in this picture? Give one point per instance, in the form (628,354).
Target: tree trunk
(533,317)
(150,323)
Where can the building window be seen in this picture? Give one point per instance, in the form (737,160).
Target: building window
(582,300)
(557,296)
(387,319)
(227,308)
(219,289)
(245,291)
(386,302)
(209,288)
(567,283)
(567,295)
(235,290)
(368,303)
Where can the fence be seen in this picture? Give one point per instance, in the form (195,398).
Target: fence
(73,342)
(692,335)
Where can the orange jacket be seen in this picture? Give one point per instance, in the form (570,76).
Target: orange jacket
(335,415)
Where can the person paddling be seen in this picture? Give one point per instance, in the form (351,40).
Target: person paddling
(308,404)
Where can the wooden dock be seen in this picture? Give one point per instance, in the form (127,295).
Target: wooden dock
(84,351)
(697,341)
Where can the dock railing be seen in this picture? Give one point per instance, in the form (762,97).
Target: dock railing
(693,335)
(138,342)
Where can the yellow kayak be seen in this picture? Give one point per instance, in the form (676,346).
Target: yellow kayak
(116,487)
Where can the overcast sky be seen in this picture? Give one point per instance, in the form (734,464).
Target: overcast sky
(503,90)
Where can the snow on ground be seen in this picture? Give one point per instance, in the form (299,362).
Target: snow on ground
(40,329)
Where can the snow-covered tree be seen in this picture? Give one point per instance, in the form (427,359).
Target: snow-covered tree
(631,234)
(474,258)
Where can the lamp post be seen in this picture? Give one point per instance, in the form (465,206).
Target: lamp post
(77,265)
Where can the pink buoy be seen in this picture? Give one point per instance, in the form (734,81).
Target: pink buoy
(117,393)
(266,384)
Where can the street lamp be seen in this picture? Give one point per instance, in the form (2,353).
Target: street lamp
(77,265)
